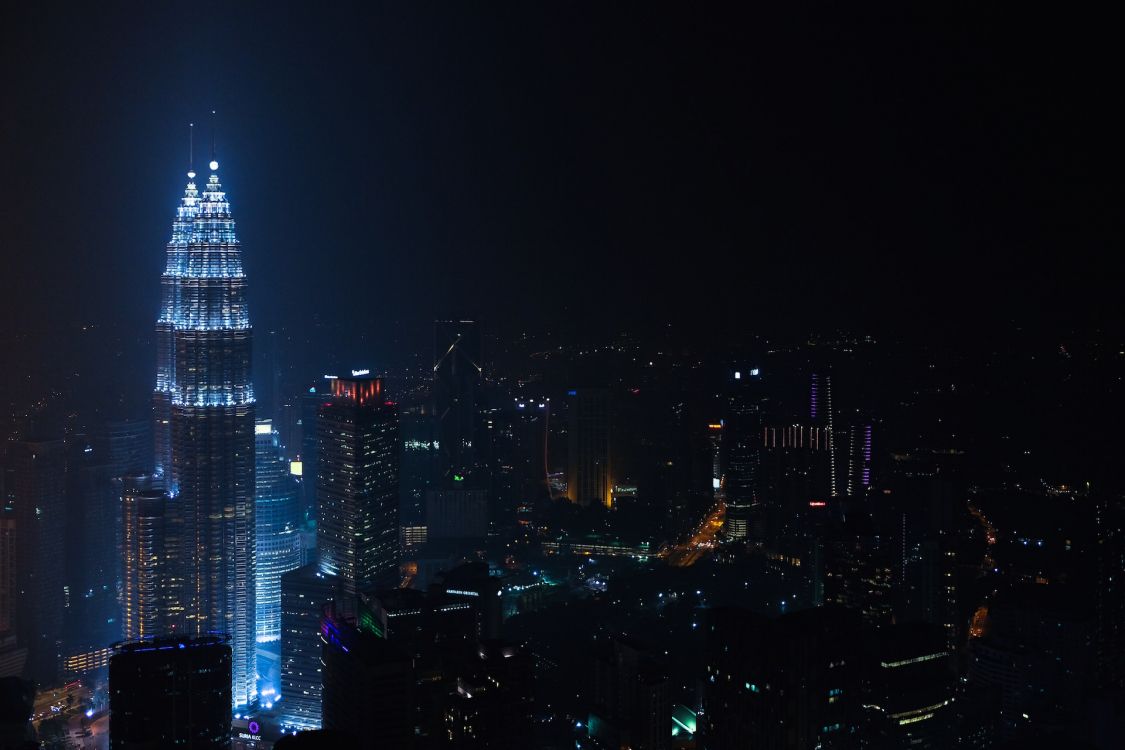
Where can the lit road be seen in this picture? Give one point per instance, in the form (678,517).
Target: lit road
(58,701)
(701,542)
(69,704)
(989,535)
(979,626)
(99,733)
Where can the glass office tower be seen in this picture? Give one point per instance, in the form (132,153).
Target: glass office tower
(278,522)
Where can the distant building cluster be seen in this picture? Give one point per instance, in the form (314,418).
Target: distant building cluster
(544,540)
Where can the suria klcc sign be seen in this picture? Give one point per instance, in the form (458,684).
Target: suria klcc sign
(253,732)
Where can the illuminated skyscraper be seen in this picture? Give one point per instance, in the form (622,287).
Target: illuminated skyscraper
(357,486)
(304,593)
(858,464)
(204,422)
(143,607)
(715,438)
(277,519)
(310,402)
(742,444)
(822,414)
(171,306)
(588,480)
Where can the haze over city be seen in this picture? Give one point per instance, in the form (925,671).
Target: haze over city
(544,375)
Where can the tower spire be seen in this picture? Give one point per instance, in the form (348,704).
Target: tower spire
(214,164)
(191,151)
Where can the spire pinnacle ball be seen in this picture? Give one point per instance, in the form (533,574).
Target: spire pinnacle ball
(214,165)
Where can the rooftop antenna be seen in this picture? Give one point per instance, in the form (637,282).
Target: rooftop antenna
(191,151)
(214,164)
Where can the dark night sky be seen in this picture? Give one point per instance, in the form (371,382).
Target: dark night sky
(591,162)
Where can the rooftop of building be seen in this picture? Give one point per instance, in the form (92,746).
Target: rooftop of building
(171,642)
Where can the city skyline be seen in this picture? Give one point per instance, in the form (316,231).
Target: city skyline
(575,376)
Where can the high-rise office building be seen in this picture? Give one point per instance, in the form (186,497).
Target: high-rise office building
(856,479)
(518,462)
(492,705)
(126,446)
(823,414)
(794,472)
(457,385)
(909,691)
(859,570)
(633,706)
(456,514)
(368,682)
(742,444)
(39,500)
(1035,658)
(170,692)
(715,443)
(278,524)
(850,448)
(13,658)
(288,424)
(795,503)
(204,424)
(144,610)
(97,468)
(310,404)
(589,479)
(7,572)
(793,681)
(93,515)
(357,484)
(418,470)
(304,592)
(442,628)
(1109,605)
(471,583)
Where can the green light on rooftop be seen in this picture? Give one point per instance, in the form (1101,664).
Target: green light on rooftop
(683,718)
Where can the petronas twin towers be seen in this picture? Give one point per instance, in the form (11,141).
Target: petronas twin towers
(203,406)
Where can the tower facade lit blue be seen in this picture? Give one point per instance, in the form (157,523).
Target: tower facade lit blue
(204,422)
(278,521)
(177,249)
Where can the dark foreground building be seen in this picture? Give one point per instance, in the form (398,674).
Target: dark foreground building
(368,685)
(632,704)
(491,708)
(170,692)
(786,682)
(909,692)
(38,473)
